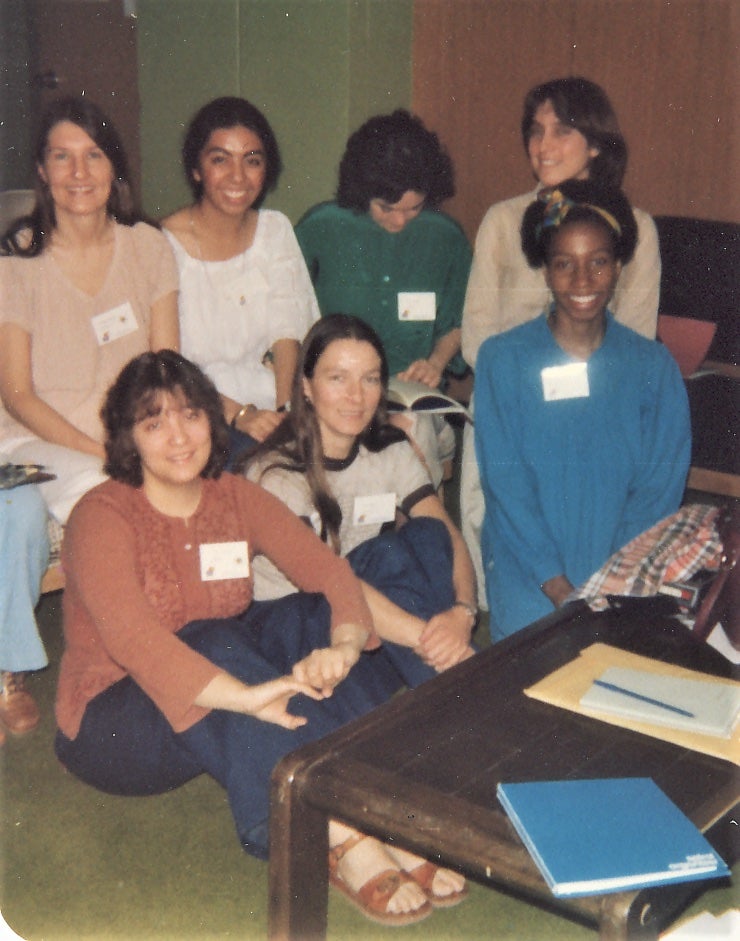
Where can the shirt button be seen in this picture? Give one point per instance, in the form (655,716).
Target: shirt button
(386,278)
(188,545)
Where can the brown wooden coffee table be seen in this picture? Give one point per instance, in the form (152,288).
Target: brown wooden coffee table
(423,770)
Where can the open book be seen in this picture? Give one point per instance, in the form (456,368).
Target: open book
(420,398)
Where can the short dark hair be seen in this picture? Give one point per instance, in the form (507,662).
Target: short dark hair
(390,155)
(40,223)
(229,112)
(578,201)
(585,106)
(135,394)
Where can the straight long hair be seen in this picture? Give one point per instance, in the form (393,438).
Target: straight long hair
(296,445)
(29,235)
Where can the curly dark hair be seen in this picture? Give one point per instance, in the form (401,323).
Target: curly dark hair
(583,200)
(295,445)
(390,155)
(223,113)
(28,235)
(135,395)
(584,105)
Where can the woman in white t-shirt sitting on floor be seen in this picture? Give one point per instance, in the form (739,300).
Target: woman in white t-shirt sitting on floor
(338,464)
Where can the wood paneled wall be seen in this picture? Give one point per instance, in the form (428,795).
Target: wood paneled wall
(670,68)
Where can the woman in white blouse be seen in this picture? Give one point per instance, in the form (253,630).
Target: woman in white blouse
(246,299)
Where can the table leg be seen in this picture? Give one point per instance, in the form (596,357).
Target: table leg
(619,923)
(642,915)
(298,871)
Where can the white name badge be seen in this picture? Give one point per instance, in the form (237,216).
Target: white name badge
(417,305)
(565,382)
(114,323)
(222,560)
(374,508)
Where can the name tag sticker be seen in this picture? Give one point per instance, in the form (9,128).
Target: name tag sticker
(417,305)
(114,323)
(374,508)
(565,382)
(222,560)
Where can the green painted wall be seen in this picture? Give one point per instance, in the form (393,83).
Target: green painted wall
(317,68)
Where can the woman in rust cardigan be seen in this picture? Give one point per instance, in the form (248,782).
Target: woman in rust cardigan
(169,669)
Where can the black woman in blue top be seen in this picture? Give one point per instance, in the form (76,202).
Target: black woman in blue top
(582,426)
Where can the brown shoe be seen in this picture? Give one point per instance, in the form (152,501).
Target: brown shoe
(18,711)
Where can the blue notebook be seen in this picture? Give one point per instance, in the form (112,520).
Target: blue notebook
(607,835)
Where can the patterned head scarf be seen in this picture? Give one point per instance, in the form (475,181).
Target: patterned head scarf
(557,207)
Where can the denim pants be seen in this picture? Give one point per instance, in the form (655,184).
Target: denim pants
(126,746)
(24,552)
(412,566)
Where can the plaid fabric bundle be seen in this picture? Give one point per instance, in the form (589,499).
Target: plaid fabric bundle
(673,550)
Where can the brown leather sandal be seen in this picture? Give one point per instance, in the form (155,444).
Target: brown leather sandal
(373,898)
(424,875)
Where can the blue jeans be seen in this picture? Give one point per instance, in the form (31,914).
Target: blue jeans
(126,746)
(412,566)
(239,444)
(24,552)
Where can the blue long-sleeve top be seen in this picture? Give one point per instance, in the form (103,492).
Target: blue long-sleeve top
(568,482)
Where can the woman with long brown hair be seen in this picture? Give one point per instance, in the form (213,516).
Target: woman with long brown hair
(85,285)
(171,669)
(340,465)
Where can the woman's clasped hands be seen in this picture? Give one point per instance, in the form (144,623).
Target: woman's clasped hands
(269,701)
(445,639)
(325,668)
(315,676)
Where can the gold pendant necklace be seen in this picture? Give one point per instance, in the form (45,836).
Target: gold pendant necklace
(240,266)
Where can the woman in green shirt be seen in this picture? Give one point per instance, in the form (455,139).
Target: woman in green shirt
(385,253)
